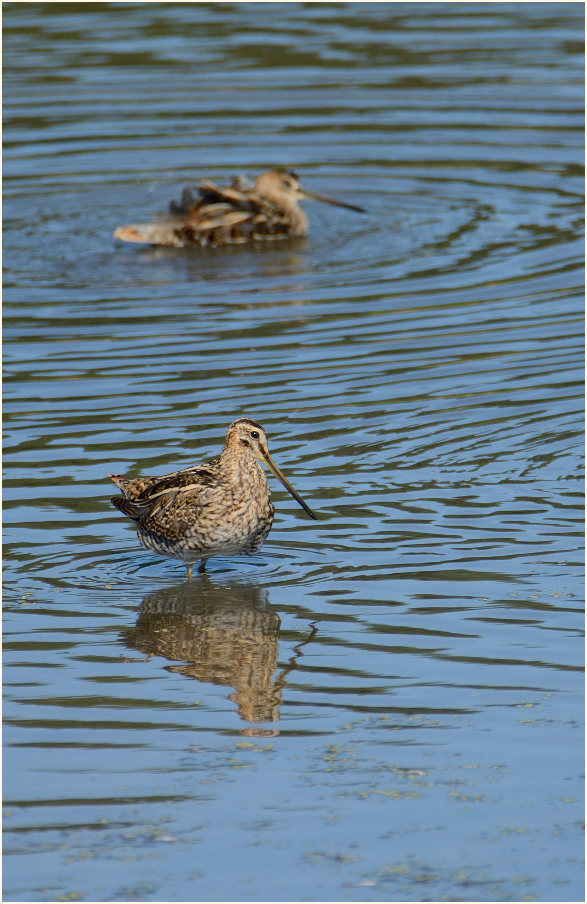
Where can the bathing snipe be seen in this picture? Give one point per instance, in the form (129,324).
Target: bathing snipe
(217,508)
(235,214)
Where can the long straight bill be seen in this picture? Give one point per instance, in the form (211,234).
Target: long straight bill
(275,470)
(316,197)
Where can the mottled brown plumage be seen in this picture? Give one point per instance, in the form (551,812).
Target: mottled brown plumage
(221,507)
(234,214)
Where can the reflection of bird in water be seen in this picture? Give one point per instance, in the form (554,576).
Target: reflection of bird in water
(234,214)
(225,635)
(222,507)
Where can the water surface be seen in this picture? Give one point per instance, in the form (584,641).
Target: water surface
(385,704)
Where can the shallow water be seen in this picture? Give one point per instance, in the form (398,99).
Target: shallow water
(385,704)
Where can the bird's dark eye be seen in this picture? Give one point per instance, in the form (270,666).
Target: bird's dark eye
(254,435)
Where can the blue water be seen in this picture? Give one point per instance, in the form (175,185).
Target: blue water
(385,704)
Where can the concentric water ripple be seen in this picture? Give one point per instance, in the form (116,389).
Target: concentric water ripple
(389,693)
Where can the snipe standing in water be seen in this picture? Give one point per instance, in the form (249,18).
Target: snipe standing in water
(222,507)
(235,214)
